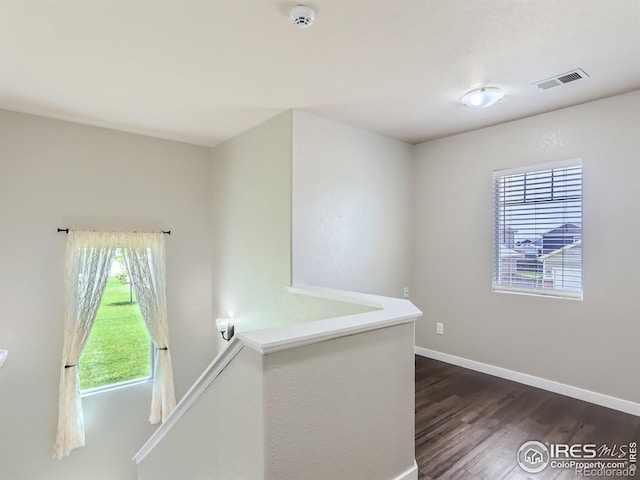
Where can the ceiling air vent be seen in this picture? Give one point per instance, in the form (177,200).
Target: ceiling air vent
(561,79)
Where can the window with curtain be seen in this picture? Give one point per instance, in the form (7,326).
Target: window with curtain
(538,230)
(118,351)
(88,263)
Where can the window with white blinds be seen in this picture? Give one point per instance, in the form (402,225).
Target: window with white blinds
(538,230)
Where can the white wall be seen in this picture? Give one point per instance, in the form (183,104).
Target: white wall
(592,344)
(58,174)
(341,409)
(351,207)
(221,435)
(252,225)
(252,232)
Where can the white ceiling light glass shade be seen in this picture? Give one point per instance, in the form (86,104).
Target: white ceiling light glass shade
(482,97)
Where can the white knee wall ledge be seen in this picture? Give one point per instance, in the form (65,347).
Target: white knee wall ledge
(570,391)
(388,311)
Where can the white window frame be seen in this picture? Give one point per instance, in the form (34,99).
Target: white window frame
(498,214)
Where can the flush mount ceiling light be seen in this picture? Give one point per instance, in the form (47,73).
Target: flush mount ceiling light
(482,97)
(301,16)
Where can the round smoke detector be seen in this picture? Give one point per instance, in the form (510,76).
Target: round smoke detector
(301,16)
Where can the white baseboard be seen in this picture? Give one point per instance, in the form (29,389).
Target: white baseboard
(411,474)
(581,394)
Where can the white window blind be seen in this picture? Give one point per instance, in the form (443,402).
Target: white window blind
(538,230)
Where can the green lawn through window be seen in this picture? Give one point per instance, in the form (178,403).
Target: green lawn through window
(119,348)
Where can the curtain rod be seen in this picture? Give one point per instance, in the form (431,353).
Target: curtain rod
(66,230)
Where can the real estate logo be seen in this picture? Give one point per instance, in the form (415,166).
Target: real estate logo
(585,459)
(533,457)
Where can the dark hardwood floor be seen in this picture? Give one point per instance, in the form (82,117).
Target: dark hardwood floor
(469,426)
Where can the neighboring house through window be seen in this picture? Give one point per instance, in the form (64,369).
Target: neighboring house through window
(538,230)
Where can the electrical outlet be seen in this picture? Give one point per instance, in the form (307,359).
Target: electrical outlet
(406,292)
(440,328)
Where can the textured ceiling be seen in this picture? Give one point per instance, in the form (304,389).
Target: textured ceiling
(205,71)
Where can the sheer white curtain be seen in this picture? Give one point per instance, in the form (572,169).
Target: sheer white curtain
(145,257)
(88,260)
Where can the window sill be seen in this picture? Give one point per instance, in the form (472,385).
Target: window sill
(116,386)
(559,294)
